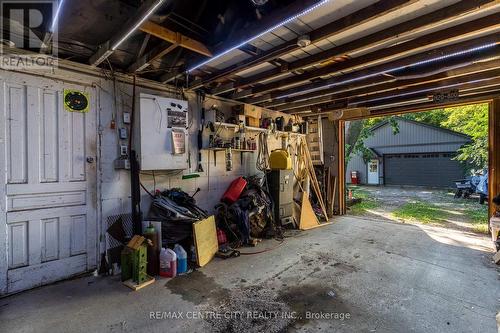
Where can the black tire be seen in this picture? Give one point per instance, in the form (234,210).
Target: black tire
(482,199)
(458,194)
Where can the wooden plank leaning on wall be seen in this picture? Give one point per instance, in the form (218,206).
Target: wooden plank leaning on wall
(493,153)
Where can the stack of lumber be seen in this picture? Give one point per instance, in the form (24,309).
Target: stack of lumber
(304,212)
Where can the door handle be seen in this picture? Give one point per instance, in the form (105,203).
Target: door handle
(90,159)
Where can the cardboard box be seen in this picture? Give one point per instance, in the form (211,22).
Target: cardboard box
(248,110)
(252,122)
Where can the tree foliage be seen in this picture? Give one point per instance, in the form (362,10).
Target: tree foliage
(471,120)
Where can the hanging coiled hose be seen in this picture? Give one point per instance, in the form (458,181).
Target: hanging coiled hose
(262,163)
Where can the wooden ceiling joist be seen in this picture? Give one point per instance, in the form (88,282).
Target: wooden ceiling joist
(108,47)
(388,109)
(359,17)
(462,100)
(462,83)
(432,40)
(419,23)
(175,37)
(362,74)
(485,68)
(473,81)
(156,54)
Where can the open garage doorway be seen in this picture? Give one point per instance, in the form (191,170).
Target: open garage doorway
(427,167)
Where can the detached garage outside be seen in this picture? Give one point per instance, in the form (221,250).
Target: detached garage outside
(420,157)
(407,152)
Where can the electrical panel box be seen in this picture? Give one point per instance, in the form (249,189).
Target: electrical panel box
(163,133)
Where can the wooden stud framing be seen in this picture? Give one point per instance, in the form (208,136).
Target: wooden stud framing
(493,153)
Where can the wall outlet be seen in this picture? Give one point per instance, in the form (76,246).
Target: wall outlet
(123,133)
(126,117)
(123,150)
(122,164)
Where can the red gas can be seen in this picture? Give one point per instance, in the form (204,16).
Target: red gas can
(354,177)
(221,237)
(234,190)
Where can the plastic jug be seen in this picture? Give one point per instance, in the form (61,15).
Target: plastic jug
(181,259)
(168,263)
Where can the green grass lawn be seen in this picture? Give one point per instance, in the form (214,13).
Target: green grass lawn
(442,211)
(425,212)
(367,201)
(479,217)
(421,212)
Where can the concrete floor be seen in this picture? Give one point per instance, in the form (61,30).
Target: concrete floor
(387,277)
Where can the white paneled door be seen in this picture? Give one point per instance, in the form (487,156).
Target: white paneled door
(48,183)
(373,172)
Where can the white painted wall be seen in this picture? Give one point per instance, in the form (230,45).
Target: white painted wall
(113,186)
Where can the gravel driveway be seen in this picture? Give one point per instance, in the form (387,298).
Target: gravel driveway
(420,205)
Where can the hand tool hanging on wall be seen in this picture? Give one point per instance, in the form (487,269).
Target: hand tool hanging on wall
(201,99)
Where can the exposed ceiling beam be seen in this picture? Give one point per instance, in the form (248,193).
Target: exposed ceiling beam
(175,73)
(469,99)
(474,97)
(432,40)
(175,38)
(150,57)
(144,44)
(478,80)
(455,49)
(361,16)
(267,21)
(486,69)
(402,95)
(147,8)
(402,29)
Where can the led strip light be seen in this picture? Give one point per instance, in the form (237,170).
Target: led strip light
(137,25)
(56,16)
(251,39)
(423,62)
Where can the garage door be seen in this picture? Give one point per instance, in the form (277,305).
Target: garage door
(436,169)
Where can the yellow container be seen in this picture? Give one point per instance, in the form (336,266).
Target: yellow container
(280,160)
